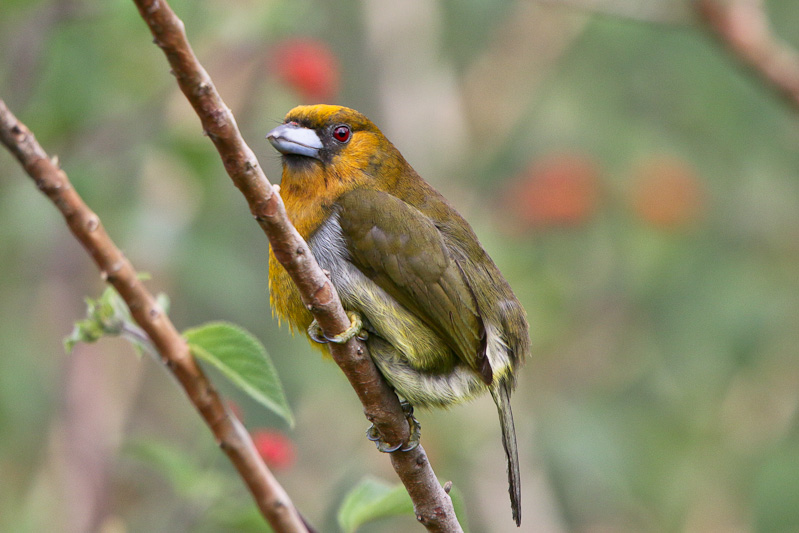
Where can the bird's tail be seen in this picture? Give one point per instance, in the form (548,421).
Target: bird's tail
(500,391)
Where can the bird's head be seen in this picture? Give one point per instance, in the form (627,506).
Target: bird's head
(334,144)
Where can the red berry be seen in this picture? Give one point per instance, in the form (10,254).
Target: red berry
(275,448)
(556,190)
(309,67)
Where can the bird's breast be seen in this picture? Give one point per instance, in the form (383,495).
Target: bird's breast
(307,209)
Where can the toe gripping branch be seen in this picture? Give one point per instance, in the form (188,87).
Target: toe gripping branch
(354,330)
(413,441)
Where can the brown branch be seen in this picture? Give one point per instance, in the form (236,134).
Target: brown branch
(85,225)
(743,28)
(432,505)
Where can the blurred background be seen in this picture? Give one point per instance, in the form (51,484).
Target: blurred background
(635,184)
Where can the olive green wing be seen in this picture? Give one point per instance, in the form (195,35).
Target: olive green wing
(403,252)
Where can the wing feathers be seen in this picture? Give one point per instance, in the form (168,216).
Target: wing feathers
(402,250)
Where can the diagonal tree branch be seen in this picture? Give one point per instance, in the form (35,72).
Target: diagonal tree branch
(115,269)
(743,28)
(432,505)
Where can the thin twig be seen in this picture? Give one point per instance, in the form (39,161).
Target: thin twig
(135,334)
(85,225)
(432,505)
(743,28)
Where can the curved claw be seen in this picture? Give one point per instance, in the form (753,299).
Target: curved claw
(416,428)
(315,333)
(413,441)
(355,329)
(373,435)
(391,449)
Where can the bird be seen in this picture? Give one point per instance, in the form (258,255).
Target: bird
(439,320)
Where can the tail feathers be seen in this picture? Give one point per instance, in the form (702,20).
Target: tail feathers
(500,391)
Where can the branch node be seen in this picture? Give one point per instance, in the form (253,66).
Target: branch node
(203,88)
(277,505)
(92,224)
(324,294)
(219,117)
(153,7)
(109,274)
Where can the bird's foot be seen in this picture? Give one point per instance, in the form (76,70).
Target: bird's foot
(413,441)
(416,427)
(354,330)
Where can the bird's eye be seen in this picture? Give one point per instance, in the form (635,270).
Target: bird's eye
(342,133)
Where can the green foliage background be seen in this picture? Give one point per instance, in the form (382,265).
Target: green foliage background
(663,391)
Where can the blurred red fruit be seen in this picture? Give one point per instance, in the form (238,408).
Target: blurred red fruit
(275,448)
(667,192)
(309,67)
(556,190)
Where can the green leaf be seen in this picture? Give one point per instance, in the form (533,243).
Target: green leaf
(373,499)
(243,360)
(370,500)
(102,318)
